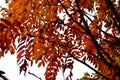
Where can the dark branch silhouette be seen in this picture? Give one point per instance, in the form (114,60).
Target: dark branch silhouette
(34,75)
(89,66)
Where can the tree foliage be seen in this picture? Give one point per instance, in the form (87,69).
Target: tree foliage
(92,32)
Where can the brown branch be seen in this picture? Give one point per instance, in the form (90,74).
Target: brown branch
(89,66)
(93,40)
(111,6)
(34,75)
(115,13)
(108,34)
(89,32)
(71,16)
(90,14)
(1,75)
(73,58)
(88,17)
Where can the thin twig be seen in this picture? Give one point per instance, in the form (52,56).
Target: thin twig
(34,75)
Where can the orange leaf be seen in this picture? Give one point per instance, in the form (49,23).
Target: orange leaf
(20,54)
(27,55)
(38,51)
(12,50)
(8,34)
(1,54)
(67,4)
(42,63)
(101,14)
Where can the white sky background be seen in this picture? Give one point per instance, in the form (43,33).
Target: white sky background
(8,64)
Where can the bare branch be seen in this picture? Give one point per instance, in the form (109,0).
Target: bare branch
(34,75)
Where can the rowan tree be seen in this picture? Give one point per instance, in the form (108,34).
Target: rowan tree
(88,31)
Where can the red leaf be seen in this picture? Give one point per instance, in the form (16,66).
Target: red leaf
(21,48)
(27,55)
(6,21)
(2,27)
(20,54)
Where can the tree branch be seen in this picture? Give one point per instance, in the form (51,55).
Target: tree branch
(108,34)
(111,6)
(71,16)
(1,75)
(89,66)
(115,13)
(87,30)
(93,40)
(34,75)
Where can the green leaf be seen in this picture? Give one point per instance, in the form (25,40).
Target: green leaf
(85,75)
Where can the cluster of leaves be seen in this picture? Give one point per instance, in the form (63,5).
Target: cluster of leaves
(89,77)
(42,36)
